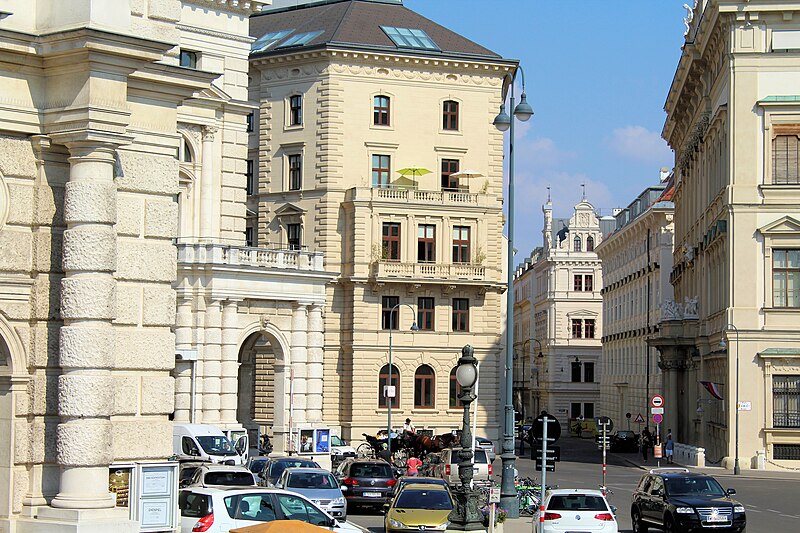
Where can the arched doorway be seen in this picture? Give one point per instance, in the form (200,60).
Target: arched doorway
(261,389)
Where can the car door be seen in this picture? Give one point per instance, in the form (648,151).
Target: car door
(657,500)
(642,496)
(294,507)
(249,508)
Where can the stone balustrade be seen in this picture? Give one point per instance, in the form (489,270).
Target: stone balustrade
(396,194)
(225,254)
(456,271)
(688,455)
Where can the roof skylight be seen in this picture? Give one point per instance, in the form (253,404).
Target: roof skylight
(300,39)
(267,40)
(409,38)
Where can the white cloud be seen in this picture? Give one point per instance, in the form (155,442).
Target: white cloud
(640,144)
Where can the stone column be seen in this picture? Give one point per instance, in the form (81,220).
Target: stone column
(207,184)
(316,342)
(183,369)
(86,344)
(212,363)
(230,363)
(299,361)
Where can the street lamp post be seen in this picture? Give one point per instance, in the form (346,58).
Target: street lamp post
(465,515)
(736,469)
(503,122)
(524,343)
(389,381)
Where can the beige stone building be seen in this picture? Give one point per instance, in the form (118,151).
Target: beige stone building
(351,93)
(637,262)
(558,313)
(733,120)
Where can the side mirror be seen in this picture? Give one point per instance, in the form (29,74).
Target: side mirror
(194,452)
(730,492)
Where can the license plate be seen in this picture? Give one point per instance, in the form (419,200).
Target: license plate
(717,518)
(372,494)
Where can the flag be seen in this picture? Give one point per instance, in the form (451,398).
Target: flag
(712,389)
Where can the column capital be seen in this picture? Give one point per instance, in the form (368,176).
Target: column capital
(209,132)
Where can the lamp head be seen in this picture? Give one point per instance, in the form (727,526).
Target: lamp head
(541,355)
(467,369)
(577,360)
(414,326)
(523,111)
(722,343)
(502,121)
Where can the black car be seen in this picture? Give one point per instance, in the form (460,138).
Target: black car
(624,441)
(366,481)
(677,500)
(274,467)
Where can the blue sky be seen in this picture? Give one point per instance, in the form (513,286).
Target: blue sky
(597,75)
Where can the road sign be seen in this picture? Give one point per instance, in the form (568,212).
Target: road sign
(658,419)
(656,410)
(388,391)
(628,416)
(494,495)
(604,420)
(745,406)
(657,401)
(553,452)
(639,419)
(553,428)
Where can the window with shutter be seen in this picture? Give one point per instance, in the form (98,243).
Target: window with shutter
(785,154)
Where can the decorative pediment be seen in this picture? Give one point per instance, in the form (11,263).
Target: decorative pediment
(213,93)
(287,210)
(783,226)
(582,313)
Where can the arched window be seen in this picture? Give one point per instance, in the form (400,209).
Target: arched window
(424,385)
(185,154)
(590,244)
(455,390)
(383,381)
(576,244)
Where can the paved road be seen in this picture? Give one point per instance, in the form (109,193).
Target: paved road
(771,502)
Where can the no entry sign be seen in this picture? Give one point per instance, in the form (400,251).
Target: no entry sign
(657,401)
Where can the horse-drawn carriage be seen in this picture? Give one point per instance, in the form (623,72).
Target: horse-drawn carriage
(404,445)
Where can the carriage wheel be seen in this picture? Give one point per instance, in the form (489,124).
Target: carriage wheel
(365,451)
(400,458)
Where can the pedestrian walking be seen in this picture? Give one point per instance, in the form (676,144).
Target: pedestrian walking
(645,442)
(669,448)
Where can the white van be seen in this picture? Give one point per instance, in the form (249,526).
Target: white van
(203,442)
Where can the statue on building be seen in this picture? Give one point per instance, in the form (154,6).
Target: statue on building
(690,307)
(671,310)
(687,21)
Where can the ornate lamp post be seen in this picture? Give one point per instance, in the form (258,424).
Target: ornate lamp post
(736,469)
(389,380)
(523,111)
(465,515)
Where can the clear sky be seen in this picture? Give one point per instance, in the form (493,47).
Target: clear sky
(597,75)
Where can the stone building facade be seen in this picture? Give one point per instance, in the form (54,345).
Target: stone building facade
(733,121)
(345,102)
(637,261)
(558,313)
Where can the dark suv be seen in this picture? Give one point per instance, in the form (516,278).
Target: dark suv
(675,499)
(366,481)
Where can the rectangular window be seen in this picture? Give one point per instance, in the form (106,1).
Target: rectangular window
(786,401)
(575,410)
(380,110)
(250,119)
(460,244)
(251,181)
(380,171)
(425,313)
(785,155)
(449,167)
(426,243)
(188,58)
(391,241)
(576,372)
(249,237)
(588,411)
(588,372)
(588,328)
(460,314)
(293,236)
(576,328)
(295,172)
(389,312)
(296,110)
(577,282)
(588,282)
(450,115)
(786,278)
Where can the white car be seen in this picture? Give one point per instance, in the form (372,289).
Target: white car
(216,510)
(576,510)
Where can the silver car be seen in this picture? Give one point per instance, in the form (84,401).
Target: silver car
(487,445)
(319,486)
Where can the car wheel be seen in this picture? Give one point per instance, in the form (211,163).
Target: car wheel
(638,525)
(669,525)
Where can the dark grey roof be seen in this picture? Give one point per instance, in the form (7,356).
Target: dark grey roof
(357,23)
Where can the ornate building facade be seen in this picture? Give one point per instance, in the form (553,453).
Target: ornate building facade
(637,261)
(733,120)
(367,112)
(558,314)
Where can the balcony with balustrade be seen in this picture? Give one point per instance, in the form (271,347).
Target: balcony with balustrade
(408,195)
(434,273)
(215,254)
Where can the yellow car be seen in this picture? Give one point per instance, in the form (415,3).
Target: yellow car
(419,507)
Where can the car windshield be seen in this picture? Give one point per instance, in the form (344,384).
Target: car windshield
(257,465)
(625,434)
(480,456)
(577,502)
(232,478)
(216,445)
(336,441)
(280,466)
(376,470)
(432,500)
(311,480)
(694,486)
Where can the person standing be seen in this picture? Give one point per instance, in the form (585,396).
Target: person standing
(669,448)
(645,442)
(408,427)
(413,465)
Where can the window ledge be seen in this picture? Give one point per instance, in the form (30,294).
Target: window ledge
(425,411)
(293,127)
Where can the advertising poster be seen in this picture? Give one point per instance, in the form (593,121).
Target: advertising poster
(306,441)
(323,441)
(119,484)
